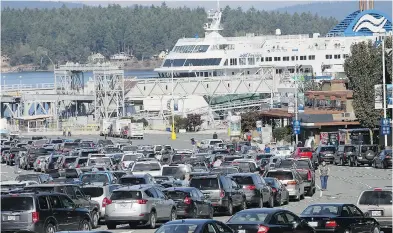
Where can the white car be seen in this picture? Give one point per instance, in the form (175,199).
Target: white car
(283,151)
(154,168)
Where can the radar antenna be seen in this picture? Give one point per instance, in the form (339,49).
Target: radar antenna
(215,17)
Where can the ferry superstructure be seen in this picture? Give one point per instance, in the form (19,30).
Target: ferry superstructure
(317,56)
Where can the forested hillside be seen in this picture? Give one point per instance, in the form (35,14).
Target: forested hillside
(73,34)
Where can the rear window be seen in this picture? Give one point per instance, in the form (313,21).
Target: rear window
(305,150)
(286,164)
(176,195)
(280,175)
(328,149)
(43,189)
(146,167)
(70,160)
(367,148)
(225,170)
(321,210)
(176,172)
(81,161)
(204,183)
(243,180)
(132,181)
(376,198)
(250,217)
(302,164)
(263,156)
(130,148)
(121,195)
(56,141)
(16,203)
(91,178)
(93,191)
(72,145)
(130,157)
(100,161)
(349,149)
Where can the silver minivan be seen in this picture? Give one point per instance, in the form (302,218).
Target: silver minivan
(100,194)
(139,204)
(291,179)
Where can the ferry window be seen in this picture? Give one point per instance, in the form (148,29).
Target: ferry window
(268,58)
(242,61)
(201,48)
(226,62)
(337,56)
(311,57)
(303,58)
(297,58)
(258,59)
(251,61)
(233,61)
(293,58)
(345,55)
(328,56)
(277,58)
(291,70)
(261,59)
(285,58)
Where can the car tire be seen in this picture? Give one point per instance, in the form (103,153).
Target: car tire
(110,225)
(152,220)
(350,162)
(383,165)
(271,202)
(174,214)
(85,225)
(356,163)
(341,162)
(310,192)
(230,208)
(194,212)
(260,205)
(243,205)
(211,213)
(94,219)
(50,228)
(375,164)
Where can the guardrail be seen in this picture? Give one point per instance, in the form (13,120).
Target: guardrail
(37,86)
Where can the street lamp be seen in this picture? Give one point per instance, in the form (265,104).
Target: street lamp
(173,134)
(384,84)
(296,100)
(20,82)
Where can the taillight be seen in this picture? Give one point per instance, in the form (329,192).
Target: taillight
(250,187)
(35,217)
(142,201)
(344,155)
(330,224)
(263,229)
(39,161)
(222,194)
(292,182)
(387,157)
(274,190)
(78,166)
(106,202)
(309,176)
(187,201)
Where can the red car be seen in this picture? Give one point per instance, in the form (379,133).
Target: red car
(303,152)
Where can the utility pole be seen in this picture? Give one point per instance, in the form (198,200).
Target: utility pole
(173,134)
(384,85)
(296,101)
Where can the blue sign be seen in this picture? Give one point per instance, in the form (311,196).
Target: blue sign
(385,126)
(176,107)
(259,129)
(296,127)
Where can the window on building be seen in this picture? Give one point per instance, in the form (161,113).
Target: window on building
(311,57)
(233,61)
(226,62)
(328,56)
(337,56)
(258,59)
(242,61)
(251,61)
(285,58)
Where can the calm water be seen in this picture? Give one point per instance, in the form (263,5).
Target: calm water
(49,77)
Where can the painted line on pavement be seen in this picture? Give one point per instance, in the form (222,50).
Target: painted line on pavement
(320,190)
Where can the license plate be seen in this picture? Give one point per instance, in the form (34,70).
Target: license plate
(241,231)
(313,224)
(11,218)
(376,213)
(124,205)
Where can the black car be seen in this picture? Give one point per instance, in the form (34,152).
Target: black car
(223,192)
(338,217)
(130,180)
(190,202)
(255,188)
(75,193)
(280,192)
(383,159)
(264,220)
(343,153)
(194,226)
(42,212)
(325,153)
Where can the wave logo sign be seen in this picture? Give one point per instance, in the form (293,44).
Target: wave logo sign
(371,23)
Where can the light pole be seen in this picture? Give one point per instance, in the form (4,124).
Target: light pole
(173,134)
(384,85)
(296,100)
(20,83)
(3,81)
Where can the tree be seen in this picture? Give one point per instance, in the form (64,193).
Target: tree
(363,69)
(180,122)
(281,133)
(249,120)
(193,121)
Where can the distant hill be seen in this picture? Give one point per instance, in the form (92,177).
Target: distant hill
(38,4)
(338,10)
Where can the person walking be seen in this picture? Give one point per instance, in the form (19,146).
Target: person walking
(324,171)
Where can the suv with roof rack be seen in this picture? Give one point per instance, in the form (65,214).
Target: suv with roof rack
(223,192)
(42,212)
(377,202)
(137,205)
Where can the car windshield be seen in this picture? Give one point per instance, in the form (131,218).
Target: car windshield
(286,164)
(376,198)
(263,156)
(177,194)
(93,191)
(204,183)
(251,217)
(12,186)
(132,180)
(349,149)
(70,160)
(31,177)
(243,180)
(105,142)
(280,175)
(71,145)
(146,167)
(84,145)
(176,172)
(16,203)
(56,141)
(305,150)
(321,210)
(328,149)
(177,228)
(91,178)
(121,195)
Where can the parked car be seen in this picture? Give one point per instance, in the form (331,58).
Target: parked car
(138,204)
(194,226)
(338,217)
(377,202)
(190,202)
(343,154)
(291,179)
(325,153)
(383,159)
(130,180)
(280,192)
(264,220)
(364,154)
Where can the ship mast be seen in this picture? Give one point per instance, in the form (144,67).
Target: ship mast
(215,17)
(366,5)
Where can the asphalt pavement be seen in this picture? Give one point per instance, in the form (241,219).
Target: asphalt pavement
(344,184)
